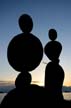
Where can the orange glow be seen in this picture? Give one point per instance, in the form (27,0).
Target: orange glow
(67,83)
(38,83)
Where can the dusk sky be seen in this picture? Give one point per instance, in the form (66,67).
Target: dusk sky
(46,14)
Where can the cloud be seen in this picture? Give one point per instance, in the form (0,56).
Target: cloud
(6,83)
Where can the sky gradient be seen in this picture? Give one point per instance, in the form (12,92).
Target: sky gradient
(46,14)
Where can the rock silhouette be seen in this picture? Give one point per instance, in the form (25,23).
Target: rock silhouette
(24,53)
(53,48)
(25,50)
(54,74)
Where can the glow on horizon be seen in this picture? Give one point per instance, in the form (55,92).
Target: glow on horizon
(37,78)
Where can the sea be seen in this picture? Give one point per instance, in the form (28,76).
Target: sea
(66,95)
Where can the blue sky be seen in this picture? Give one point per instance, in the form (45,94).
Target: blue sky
(46,14)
